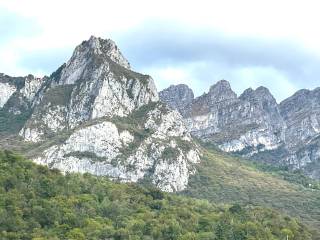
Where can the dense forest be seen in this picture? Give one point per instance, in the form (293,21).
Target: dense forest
(38,203)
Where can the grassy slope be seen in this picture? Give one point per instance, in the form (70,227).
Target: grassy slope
(228,179)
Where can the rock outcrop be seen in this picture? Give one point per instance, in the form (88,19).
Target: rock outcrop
(250,121)
(96,115)
(177,96)
(255,126)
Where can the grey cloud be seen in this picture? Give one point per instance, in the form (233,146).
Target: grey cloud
(157,44)
(46,61)
(150,44)
(165,44)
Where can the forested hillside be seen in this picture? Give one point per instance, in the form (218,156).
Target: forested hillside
(38,203)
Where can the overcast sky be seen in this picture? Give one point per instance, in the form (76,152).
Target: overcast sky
(250,43)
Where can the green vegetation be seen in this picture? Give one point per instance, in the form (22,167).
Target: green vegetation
(57,74)
(170,153)
(86,154)
(294,176)
(11,123)
(120,72)
(224,178)
(58,95)
(38,203)
(18,82)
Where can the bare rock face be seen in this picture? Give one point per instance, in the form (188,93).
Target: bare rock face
(17,95)
(96,82)
(236,124)
(302,115)
(177,97)
(255,126)
(96,115)
(6,93)
(153,147)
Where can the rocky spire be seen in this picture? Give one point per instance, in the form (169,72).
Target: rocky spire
(105,47)
(177,96)
(221,91)
(110,49)
(92,52)
(260,95)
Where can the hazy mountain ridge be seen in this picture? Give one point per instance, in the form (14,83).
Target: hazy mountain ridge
(254,124)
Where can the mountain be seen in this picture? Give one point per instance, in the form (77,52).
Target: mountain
(95,115)
(254,125)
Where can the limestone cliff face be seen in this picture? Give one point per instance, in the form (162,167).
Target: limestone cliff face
(156,146)
(94,83)
(254,125)
(250,121)
(23,89)
(96,115)
(17,95)
(177,96)
(302,115)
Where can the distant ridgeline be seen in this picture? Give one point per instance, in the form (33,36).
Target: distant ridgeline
(254,125)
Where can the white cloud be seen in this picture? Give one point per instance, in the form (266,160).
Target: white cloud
(64,24)
(276,81)
(179,74)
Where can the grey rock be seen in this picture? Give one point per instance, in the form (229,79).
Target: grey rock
(177,96)
(255,125)
(94,114)
(94,83)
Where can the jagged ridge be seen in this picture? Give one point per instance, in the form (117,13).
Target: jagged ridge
(254,124)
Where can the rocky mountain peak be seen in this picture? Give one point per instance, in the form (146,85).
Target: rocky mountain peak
(261,95)
(94,83)
(95,54)
(247,94)
(94,114)
(221,91)
(256,126)
(177,96)
(108,48)
(263,90)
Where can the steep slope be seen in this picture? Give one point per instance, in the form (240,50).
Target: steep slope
(302,115)
(16,99)
(254,125)
(96,115)
(221,177)
(38,203)
(177,96)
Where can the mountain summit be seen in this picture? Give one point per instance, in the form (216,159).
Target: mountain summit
(94,83)
(94,114)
